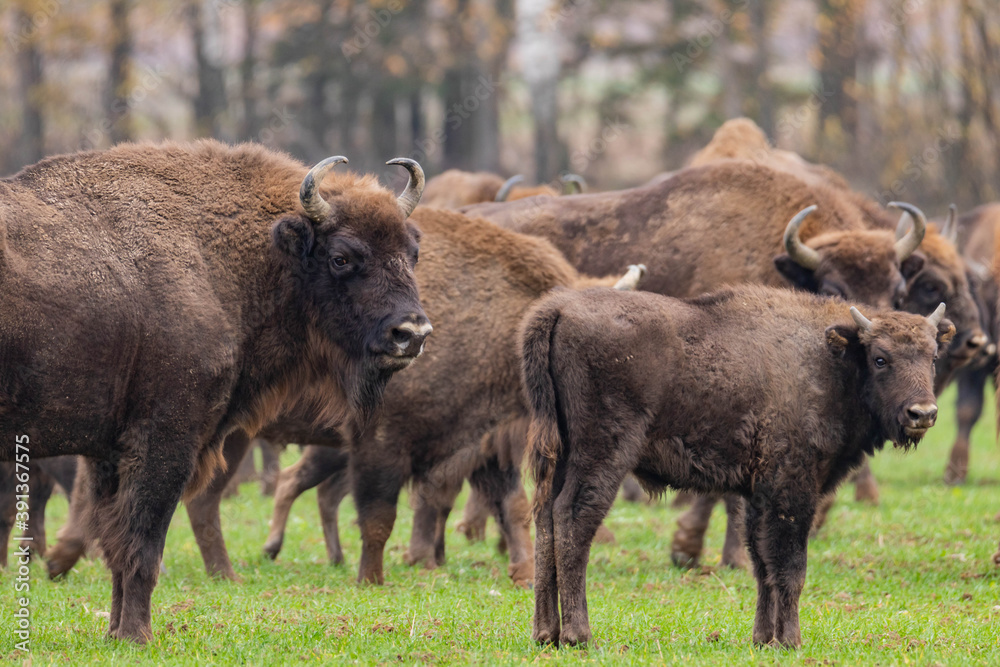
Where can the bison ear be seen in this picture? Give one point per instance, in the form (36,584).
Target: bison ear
(945,332)
(839,337)
(796,274)
(294,236)
(911,265)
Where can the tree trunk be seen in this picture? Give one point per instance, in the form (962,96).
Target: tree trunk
(210,101)
(30,79)
(248,90)
(540,54)
(116,94)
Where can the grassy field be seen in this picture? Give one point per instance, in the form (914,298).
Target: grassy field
(908,582)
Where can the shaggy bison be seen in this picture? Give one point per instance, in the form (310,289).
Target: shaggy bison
(770,394)
(455,188)
(155,298)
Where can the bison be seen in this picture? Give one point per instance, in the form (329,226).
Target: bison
(455,188)
(155,298)
(42,477)
(770,394)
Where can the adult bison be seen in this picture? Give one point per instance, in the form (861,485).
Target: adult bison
(771,394)
(458,414)
(977,232)
(154,298)
(455,188)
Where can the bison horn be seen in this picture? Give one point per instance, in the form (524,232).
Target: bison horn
(315,206)
(978,269)
(950,229)
(414,187)
(911,241)
(863,322)
(799,252)
(630,281)
(573,182)
(507,186)
(938,315)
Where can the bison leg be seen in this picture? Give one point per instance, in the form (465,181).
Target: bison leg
(72,537)
(865,486)
(316,465)
(474,517)
(733,550)
(501,490)
(270,467)
(40,487)
(825,503)
(203,509)
(133,502)
(376,492)
(971,387)
(579,510)
(422,537)
(689,538)
(545,628)
(329,495)
(780,538)
(683,498)
(631,491)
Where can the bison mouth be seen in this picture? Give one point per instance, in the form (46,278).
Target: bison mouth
(393,362)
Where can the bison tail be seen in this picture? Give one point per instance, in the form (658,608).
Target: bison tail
(544,440)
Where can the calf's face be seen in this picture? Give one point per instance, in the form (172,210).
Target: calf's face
(894,357)
(352,259)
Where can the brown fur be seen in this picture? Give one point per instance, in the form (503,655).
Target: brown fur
(151,296)
(766,393)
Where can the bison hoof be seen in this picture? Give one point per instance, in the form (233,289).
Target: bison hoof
(272,549)
(545,637)
(684,560)
(996,558)
(954,477)
(571,638)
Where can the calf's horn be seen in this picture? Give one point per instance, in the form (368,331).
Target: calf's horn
(315,206)
(938,315)
(414,187)
(911,241)
(573,181)
(802,254)
(507,186)
(863,322)
(630,281)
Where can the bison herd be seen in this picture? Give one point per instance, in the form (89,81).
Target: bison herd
(162,305)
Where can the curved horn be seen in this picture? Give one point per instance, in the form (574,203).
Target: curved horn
(906,245)
(978,269)
(863,322)
(904,224)
(507,186)
(414,187)
(950,229)
(938,315)
(799,252)
(571,181)
(315,206)
(630,281)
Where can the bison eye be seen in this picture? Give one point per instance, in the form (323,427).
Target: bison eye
(340,261)
(880,362)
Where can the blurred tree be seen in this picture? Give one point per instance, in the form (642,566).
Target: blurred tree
(838,23)
(25,43)
(210,99)
(539,45)
(116,92)
(251,124)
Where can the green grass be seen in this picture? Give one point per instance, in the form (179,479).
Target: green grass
(908,582)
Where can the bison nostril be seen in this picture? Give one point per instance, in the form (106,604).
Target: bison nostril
(401,336)
(922,413)
(977,341)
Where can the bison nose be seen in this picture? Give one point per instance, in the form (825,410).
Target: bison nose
(976,341)
(922,415)
(408,336)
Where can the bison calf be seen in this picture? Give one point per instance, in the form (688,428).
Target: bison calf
(770,394)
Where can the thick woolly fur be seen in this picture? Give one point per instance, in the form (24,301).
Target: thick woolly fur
(771,394)
(454,189)
(155,298)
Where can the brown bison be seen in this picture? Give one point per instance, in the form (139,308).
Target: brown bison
(458,414)
(42,477)
(977,231)
(455,188)
(154,299)
(770,394)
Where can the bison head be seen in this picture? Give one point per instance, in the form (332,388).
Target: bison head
(894,357)
(943,277)
(864,266)
(350,258)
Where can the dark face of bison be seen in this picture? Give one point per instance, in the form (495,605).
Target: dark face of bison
(863,266)
(351,261)
(894,356)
